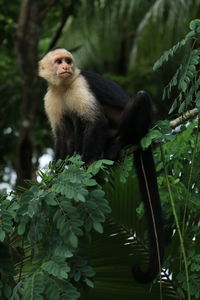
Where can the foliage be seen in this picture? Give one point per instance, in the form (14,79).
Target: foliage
(185,82)
(45,232)
(179,160)
(40,256)
(46,249)
(186,78)
(162,25)
(180,155)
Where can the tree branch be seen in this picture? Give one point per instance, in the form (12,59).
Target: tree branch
(66,13)
(184,117)
(45,10)
(59,31)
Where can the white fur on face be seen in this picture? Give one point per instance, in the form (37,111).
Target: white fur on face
(50,72)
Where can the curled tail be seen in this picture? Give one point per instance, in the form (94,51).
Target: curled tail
(145,168)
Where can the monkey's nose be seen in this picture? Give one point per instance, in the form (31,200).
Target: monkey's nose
(65,66)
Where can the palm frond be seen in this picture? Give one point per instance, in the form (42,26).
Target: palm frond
(112,255)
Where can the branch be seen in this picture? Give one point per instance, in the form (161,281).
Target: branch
(45,10)
(66,13)
(186,116)
(59,31)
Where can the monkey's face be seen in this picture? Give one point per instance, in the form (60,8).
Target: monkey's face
(57,66)
(63,64)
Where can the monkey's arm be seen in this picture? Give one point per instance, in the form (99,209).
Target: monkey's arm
(64,139)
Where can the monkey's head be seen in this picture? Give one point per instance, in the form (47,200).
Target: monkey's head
(58,67)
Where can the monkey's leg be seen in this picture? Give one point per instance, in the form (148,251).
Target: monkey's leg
(112,149)
(135,123)
(79,136)
(136,119)
(94,140)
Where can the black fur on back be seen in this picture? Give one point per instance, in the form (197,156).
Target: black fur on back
(106,91)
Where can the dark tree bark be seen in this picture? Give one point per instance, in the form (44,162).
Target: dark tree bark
(27,38)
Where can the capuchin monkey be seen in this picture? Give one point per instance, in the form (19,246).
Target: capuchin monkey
(95,117)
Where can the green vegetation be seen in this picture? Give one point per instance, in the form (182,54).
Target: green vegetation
(45,233)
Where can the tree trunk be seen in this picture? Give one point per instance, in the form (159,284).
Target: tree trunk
(27,55)
(32,13)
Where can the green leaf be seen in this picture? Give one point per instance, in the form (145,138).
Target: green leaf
(89,283)
(77,276)
(173,107)
(190,35)
(56,268)
(32,208)
(34,287)
(164,126)
(73,240)
(146,142)
(183,85)
(197,100)
(63,251)
(181,108)
(50,199)
(194,24)
(21,228)
(64,274)
(98,227)
(95,167)
(167,54)
(2,235)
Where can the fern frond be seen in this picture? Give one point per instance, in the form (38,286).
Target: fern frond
(169,53)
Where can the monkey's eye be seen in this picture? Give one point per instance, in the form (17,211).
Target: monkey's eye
(68,61)
(58,61)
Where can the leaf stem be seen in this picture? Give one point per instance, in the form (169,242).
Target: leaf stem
(176,222)
(189,180)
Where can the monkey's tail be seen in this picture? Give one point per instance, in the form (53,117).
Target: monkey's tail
(146,172)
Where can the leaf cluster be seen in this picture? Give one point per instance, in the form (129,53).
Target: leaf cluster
(181,160)
(159,134)
(186,79)
(46,230)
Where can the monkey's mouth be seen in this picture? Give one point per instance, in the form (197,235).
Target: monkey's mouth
(66,73)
